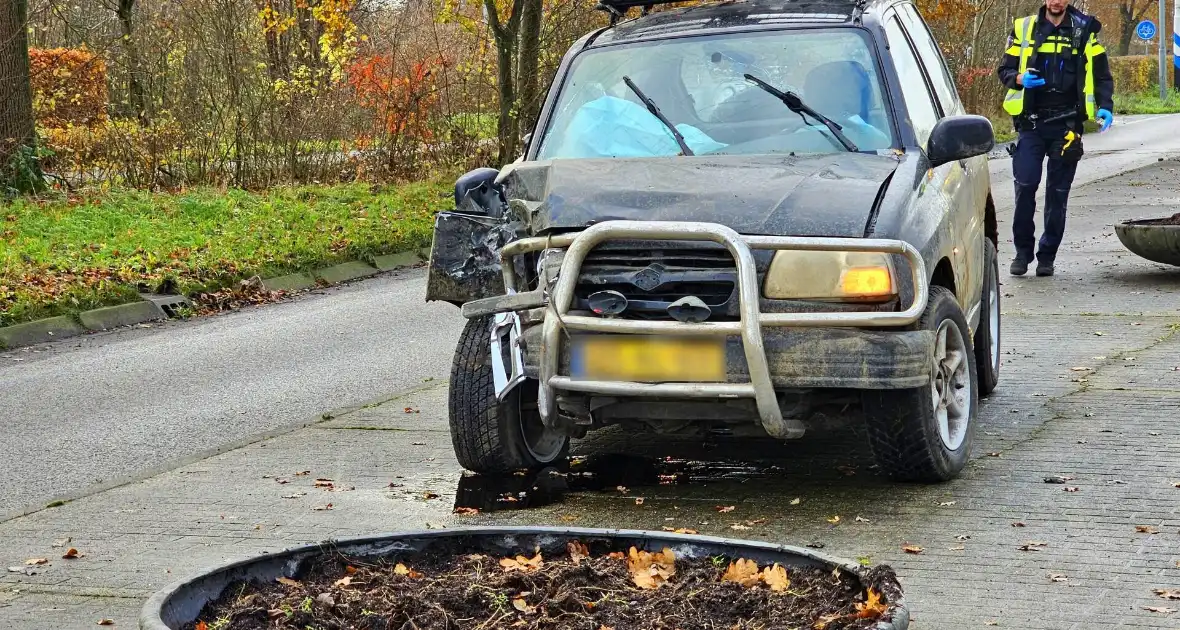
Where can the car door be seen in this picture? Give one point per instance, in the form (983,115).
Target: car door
(945,195)
(968,190)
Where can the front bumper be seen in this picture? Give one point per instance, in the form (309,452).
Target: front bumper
(751,330)
(807,358)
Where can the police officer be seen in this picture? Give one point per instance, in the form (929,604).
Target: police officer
(1057,76)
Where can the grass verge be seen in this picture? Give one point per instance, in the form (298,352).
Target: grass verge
(65,255)
(1148,102)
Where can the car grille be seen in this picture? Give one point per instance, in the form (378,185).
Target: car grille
(654,275)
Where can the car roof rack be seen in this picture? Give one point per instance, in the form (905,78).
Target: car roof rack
(618,8)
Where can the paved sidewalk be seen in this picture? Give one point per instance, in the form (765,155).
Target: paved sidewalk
(1111,425)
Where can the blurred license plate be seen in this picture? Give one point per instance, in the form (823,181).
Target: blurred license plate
(648,359)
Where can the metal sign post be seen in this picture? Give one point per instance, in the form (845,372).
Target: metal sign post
(1176,45)
(1163,51)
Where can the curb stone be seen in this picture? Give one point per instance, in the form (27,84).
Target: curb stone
(130,314)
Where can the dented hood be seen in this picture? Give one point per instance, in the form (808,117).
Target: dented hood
(819,195)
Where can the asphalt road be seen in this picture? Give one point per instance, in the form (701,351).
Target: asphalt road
(92,411)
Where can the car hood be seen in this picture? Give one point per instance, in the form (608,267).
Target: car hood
(822,195)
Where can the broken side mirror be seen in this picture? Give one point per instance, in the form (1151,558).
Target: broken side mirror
(476,192)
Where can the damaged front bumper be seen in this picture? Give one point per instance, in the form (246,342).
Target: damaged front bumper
(766,351)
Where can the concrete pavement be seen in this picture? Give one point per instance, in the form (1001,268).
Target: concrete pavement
(1089,390)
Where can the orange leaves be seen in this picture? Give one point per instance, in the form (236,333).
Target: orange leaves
(401,569)
(69,87)
(872,607)
(401,96)
(650,570)
(522,564)
(578,552)
(745,572)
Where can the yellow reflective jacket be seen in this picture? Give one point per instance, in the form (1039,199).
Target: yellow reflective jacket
(1023,45)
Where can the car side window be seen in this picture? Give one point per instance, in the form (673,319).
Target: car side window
(932,58)
(918,100)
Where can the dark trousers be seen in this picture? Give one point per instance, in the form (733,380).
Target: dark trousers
(1027,161)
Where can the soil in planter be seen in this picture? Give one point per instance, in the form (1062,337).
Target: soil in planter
(582,589)
(1172,220)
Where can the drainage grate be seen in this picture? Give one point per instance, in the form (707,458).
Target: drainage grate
(169,305)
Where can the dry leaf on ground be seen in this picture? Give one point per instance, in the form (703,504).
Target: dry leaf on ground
(776,578)
(725,509)
(739,527)
(797,501)
(344,581)
(106,622)
(638,500)
(947,503)
(35,561)
(401,569)
(62,543)
(1057,577)
(72,554)
(957,548)
(1018,524)
(1167,593)
(650,570)
(523,606)
(834,520)
(1159,609)
(616,555)
(743,572)
(680,530)
(912,549)
(322,508)
(522,564)
(578,552)
(1146,529)
(323,483)
(872,607)
(466,511)
(201,625)
(1032,545)
(1071,489)
(286,581)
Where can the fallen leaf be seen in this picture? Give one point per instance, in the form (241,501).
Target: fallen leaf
(681,530)
(757,521)
(106,622)
(61,543)
(861,519)
(1082,369)
(638,500)
(650,570)
(815,545)
(776,578)
(1167,594)
(523,606)
(1057,577)
(344,581)
(622,489)
(16,569)
(1032,545)
(466,511)
(294,496)
(323,483)
(72,554)
(1018,524)
(1099,334)
(322,508)
(725,509)
(962,537)
(823,621)
(1159,609)
(1153,433)
(201,625)
(567,518)
(1070,489)
(429,495)
(1058,479)
(350,569)
(303,473)
(797,500)
(1146,529)
(286,581)
(739,527)
(743,572)
(401,569)
(991,623)
(578,552)
(947,503)
(872,608)
(834,520)
(957,548)
(616,555)
(522,564)
(914,549)
(994,454)
(36,561)
(1176,484)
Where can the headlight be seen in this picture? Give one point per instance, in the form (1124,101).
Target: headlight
(830,276)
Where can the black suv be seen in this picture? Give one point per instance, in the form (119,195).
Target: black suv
(731,217)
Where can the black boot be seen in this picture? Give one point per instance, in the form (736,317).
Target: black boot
(1019,266)
(1044,269)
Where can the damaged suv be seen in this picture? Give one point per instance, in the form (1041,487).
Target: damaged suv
(731,218)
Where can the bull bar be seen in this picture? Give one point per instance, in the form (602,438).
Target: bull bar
(749,327)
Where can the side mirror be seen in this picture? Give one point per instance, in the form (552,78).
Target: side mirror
(476,192)
(959,138)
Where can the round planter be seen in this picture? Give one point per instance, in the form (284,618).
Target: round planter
(181,603)
(1152,240)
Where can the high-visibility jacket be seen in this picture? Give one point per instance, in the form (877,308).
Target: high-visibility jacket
(1022,47)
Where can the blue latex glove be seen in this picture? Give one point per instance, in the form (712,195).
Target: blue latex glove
(1105,118)
(1029,80)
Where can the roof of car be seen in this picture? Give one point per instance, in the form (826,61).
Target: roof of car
(732,15)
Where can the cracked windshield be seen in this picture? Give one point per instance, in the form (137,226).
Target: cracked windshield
(700,87)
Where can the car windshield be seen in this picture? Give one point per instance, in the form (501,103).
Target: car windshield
(698,84)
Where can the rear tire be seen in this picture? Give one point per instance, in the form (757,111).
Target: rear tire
(987,335)
(490,436)
(925,434)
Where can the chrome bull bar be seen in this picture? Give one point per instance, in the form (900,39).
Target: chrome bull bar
(749,327)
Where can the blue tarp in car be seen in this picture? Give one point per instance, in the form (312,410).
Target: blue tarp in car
(610,126)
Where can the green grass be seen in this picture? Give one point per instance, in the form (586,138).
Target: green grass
(1147,103)
(62,256)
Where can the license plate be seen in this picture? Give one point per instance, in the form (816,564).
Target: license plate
(648,359)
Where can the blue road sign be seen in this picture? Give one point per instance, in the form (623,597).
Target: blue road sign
(1145,30)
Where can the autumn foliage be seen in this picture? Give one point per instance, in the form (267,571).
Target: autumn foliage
(69,87)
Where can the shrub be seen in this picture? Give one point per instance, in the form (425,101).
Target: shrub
(69,87)
(1134,74)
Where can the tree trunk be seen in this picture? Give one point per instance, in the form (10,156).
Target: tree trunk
(529,45)
(16,93)
(506,36)
(134,69)
(1127,19)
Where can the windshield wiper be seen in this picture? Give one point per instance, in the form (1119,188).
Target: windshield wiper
(796,104)
(655,111)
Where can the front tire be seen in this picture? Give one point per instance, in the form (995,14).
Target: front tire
(925,434)
(987,336)
(490,436)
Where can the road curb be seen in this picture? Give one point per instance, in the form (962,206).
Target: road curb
(132,313)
